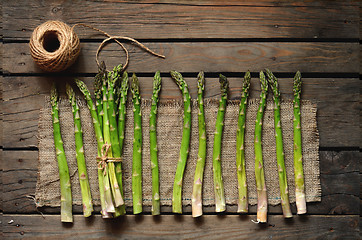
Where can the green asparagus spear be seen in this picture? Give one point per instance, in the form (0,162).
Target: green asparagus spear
(137,147)
(111,173)
(116,150)
(153,146)
(64,178)
(82,168)
(240,150)
(123,93)
(259,169)
(201,156)
(185,143)
(283,184)
(298,159)
(122,109)
(100,142)
(216,155)
(98,80)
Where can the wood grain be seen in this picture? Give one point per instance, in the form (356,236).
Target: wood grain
(207,56)
(185,19)
(339,181)
(336,99)
(181,227)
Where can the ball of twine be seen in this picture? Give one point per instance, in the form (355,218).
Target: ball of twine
(54,46)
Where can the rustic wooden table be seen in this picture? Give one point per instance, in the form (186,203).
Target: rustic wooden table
(321,39)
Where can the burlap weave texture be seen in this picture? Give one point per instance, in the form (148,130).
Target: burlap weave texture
(169,132)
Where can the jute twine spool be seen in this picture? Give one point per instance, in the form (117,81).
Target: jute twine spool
(54,46)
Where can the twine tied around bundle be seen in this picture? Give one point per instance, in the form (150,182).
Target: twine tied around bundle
(104,159)
(55,46)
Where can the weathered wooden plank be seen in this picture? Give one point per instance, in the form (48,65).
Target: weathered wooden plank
(181,227)
(1,180)
(339,181)
(1,110)
(337,101)
(174,19)
(1,56)
(207,56)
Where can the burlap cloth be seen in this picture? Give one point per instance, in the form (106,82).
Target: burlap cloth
(169,133)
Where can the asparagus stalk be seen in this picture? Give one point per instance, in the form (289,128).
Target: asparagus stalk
(201,156)
(283,184)
(137,147)
(153,146)
(185,143)
(123,91)
(100,142)
(64,178)
(259,169)
(298,160)
(122,110)
(82,168)
(116,150)
(216,155)
(240,150)
(111,173)
(98,91)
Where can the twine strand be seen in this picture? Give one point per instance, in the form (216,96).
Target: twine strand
(69,45)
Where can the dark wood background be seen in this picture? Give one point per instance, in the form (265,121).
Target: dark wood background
(321,39)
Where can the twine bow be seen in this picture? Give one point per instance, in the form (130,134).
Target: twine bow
(104,159)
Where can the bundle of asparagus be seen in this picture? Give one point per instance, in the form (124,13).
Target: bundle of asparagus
(108,136)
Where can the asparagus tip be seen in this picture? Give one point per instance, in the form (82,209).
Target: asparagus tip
(53,94)
(263,81)
(134,84)
(247,75)
(297,82)
(69,90)
(246,82)
(177,77)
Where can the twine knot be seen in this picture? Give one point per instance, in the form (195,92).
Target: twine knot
(104,159)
